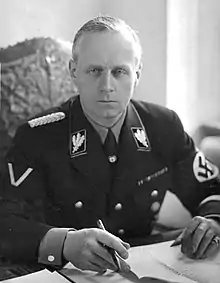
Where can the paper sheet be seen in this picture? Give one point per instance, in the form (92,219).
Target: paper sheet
(200,270)
(158,261)
(39,276)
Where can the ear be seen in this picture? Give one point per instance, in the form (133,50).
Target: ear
(72,68)
(138,74)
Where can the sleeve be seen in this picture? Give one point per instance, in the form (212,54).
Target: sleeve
(22,199)
(196,179)
(51,248)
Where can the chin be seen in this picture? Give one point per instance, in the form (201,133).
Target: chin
(110,114)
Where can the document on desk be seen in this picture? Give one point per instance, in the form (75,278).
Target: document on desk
(199,270)
(155,263)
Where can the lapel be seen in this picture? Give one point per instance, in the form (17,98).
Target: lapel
(85,148)
(136,158)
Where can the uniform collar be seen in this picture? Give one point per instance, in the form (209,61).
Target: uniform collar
(82,130)
(87,154)
(102,131)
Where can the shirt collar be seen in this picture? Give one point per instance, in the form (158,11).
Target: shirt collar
(103,131)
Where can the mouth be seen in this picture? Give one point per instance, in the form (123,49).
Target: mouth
(107,101)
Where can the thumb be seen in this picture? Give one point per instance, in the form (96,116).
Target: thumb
(126,245)
(113,242)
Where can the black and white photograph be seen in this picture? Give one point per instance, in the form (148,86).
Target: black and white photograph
(110,141)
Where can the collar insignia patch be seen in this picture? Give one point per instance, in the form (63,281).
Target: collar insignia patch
(78,143)
(141,139)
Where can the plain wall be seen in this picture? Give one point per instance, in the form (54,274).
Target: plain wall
(193,61)
(148,17)
(24,19)
(208,98)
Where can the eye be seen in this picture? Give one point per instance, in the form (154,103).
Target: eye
(94,71)
(119,71)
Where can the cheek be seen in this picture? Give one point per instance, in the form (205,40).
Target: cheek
(127,87)
(86,85)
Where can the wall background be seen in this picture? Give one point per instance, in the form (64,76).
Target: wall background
(193,61)
(180,38)
(60,19)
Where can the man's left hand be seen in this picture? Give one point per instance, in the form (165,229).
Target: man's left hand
(201,238)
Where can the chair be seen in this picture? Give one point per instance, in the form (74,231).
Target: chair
(34,77)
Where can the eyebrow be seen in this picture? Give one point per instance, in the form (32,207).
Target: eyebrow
(93,66)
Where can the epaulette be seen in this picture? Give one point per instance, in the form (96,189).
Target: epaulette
(50,118)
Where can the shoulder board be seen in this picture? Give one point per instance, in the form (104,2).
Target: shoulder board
(50,118)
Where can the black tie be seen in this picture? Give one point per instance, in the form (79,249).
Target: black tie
(110,147)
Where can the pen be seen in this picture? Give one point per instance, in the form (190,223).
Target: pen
(177,241)
(110,250)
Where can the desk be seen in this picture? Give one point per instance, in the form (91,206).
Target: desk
(42,276)
(8,271)
(156,263)
(29,274)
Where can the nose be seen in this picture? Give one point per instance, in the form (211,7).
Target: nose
(107,82)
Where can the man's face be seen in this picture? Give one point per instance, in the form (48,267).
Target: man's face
(105,74)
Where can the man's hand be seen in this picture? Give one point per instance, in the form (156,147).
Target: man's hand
(201,238)
(85,250)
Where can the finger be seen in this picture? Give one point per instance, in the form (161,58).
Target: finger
(212,248)
(198,236)
(124,267)
(179,239)
(125,244)
(102,263)
(112,242)
(103,253)
(187,246)
(204,243)
(94,267)
(194,223)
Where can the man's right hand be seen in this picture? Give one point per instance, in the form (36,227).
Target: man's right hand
(85,250)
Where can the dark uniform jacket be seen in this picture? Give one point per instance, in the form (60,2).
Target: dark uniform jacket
(59,176)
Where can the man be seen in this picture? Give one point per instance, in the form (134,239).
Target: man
(102,155)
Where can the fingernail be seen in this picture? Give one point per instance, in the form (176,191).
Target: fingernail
(125,255)
(127,268)
(127,244)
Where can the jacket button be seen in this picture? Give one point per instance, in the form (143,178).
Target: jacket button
(121,231)
(154,193)
(155,206)
(51,258)
(118,206)
(78,204)
(156,216)
(112,159)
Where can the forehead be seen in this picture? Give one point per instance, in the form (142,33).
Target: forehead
(106,48)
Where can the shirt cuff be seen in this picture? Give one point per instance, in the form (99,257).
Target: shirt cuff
(51,248)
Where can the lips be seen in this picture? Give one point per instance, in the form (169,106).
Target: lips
(107,101)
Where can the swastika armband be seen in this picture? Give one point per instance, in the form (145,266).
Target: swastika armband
(203,169)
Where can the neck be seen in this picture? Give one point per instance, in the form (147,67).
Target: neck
(103,122)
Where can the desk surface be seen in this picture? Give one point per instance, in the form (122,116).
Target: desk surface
(44,275)
(157,263)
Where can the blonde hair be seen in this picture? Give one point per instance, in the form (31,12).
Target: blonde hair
(107,23)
